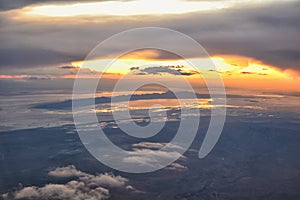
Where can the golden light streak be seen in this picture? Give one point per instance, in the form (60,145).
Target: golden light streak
(137,7)
(125,8)
(233,66)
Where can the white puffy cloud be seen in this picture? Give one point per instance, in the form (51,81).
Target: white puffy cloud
(28,192)
(84,187)
(64,172)
(73,190)
(148,154)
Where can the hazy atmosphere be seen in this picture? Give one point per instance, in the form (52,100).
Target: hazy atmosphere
(146,99)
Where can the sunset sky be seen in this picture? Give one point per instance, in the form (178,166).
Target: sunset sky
(149,99)
(253,44)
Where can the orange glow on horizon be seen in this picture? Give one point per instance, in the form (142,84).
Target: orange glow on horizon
(13,76)
(236,71)
(227,66)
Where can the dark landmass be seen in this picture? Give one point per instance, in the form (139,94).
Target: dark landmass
(251,161)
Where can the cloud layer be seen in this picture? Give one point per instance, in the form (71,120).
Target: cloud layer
(267,32)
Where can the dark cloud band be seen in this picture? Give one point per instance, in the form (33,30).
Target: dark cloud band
(269,33)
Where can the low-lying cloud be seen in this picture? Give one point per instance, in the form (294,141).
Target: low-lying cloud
(149,154)
(84,186)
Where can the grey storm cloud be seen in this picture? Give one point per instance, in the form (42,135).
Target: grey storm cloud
(269,32)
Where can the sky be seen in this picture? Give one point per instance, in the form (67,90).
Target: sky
(252,43)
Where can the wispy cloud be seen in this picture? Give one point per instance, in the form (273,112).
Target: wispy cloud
(67,71)
(176,166)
